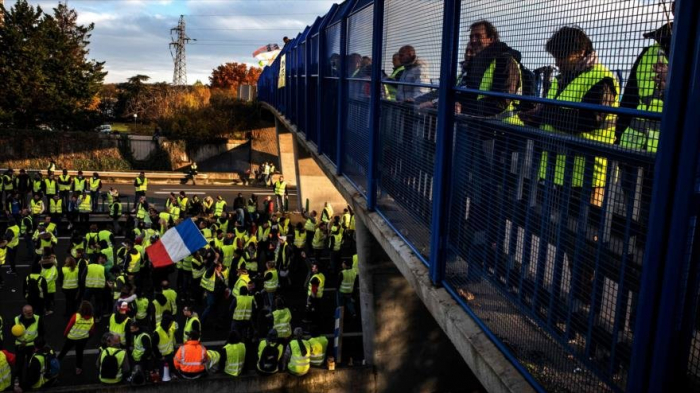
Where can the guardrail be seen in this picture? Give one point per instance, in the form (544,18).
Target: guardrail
(582,253)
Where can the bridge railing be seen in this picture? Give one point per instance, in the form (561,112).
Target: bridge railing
(549,185)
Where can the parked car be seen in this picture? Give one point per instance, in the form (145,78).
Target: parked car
(104,129)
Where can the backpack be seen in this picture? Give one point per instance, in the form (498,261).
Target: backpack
(138,377)
(109,368)
(528,82)
(52,366)
(269,358)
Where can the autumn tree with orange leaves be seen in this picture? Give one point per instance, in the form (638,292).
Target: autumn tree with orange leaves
(230,76)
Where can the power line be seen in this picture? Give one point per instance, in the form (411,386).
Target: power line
(251,29)
(231,15)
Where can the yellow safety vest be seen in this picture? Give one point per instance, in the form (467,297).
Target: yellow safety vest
(79,184)
(5,373)
(319,239)
(81,328)
(318,350)
(55,206)
(574,92)
(86,204)
(309,226)
(141,185)
(141,308)
(119,354)
(119,329)
(139,350)
(299,364)
(263,344)
(235,358)
(242,281)
(219,207)
(282,322)
(188,327)
(70,278)
(271,285)
(30,333)
(95,183)
(299,238)
(244,308)
(643,134)
(166,342)
(64,183)
(15,236)
(280,187)
(50,186)
(322,282)
(95,276)
(37,206)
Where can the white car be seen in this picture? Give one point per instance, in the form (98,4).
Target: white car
(104,129)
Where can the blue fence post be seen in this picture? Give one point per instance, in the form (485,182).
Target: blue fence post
(321,42)
(307,75)
(443,141)
(655,360)
(342,95)
(374,103)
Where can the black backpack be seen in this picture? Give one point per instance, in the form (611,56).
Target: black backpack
(269,358)
(52,366)
(529,87)
(109,367)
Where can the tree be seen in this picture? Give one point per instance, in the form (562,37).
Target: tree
(231,75)
(44,67)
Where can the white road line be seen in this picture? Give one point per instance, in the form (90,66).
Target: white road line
(210,344)
(204,193)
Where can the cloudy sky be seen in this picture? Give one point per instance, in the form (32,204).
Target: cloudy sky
(132,36)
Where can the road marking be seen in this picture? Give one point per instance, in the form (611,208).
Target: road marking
(204,193)
(211,343)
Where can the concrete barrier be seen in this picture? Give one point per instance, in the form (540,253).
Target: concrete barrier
(349,379)
(127,177)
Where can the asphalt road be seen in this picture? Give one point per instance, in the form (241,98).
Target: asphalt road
(11,297)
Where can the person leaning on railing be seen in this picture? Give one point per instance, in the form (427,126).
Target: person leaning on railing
(582,79)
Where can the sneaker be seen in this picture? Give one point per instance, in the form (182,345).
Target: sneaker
(48,312)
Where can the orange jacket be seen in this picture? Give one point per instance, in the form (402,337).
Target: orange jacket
(191,357)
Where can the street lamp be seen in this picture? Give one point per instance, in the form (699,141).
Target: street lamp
(135,116)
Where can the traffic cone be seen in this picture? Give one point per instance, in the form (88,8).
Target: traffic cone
(166,373)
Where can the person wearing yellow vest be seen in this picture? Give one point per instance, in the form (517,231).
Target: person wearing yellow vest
(327,213)
(12,236)
(192,322)
(7,362)
(36,371)
(78,331)
(213,281)
(297,356)
(158,308)
(164,342)
(42,239)
(141,347)
(141,209)
(37,184)
(95,185)
(8,184)
(642,87)
(282,320)
(320,239)
(112,362)
(242,307)
(299,239)
(35,289)
(643,134)
(119,324)
(219,206)
(65,181)
(26,228)
(37,206)
(79,183)
(390,90)
(233,355)
(346,278)
(140,185)
(95,282)
(281,193)
(84,207)
(50,187)
(49,273)
(192,360)
(271,282)
(70,278)
(335,243)
(310,227)
(3,258)
(319,346)
(315,293)
(33,328)
(56,208)
(269,354)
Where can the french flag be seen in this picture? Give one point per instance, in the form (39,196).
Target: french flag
(176,244)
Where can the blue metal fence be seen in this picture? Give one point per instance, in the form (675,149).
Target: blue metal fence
(545,174)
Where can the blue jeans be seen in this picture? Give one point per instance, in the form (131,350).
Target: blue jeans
(211,304)
(347,301)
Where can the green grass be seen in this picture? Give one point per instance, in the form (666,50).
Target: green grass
(120,127)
